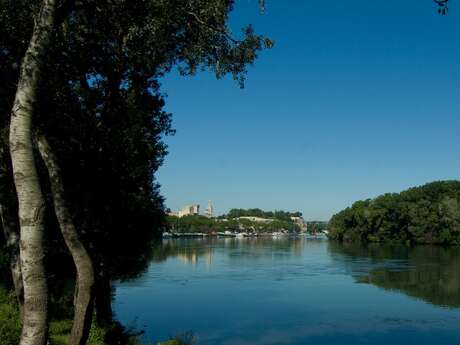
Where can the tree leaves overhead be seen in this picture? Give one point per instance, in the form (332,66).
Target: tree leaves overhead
(101,104)
(442,6)
(154,36)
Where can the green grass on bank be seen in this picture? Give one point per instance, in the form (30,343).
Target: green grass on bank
(60,331)
(10,329)
(10,324)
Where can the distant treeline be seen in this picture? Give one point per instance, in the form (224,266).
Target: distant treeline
(427,214)
(317,226)
(202,224)
(280,220)
(257,212)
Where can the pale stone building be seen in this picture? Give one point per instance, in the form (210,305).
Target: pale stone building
(299,221)
(209,210)
(257,219)
(189,210)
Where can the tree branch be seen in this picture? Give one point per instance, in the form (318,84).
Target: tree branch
(442,6)
(202,22)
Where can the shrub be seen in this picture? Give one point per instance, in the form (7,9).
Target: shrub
(10,322)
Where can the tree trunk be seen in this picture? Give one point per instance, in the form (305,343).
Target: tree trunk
(30,197)
(104,313)
(84,286)
(11,229)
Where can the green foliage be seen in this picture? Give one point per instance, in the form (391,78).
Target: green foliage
(59,331)
(60,327)
(317,226)
(426,214)
(101,107)
(256,212)
(113,334)
(10,322)
(197,223)
(102,110)
(201,224)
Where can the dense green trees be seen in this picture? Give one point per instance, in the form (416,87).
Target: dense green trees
(256,212)
(426,214)
(278,220)
(98,103)
(99,106)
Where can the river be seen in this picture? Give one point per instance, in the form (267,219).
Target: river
(295,291)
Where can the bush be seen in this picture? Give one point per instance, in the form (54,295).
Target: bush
(10,322)
(113,334)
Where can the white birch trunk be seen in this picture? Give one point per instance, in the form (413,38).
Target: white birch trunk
(84,285)
(30,196)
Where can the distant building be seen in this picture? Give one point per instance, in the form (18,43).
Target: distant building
(209,210)
(256,219)
(299,221)
(189,210)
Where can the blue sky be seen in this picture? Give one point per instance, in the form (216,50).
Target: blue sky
(357,98)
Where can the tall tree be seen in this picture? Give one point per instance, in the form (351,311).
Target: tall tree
(107,62)
(102,78)
(30,197)
(16,26)
(83,302)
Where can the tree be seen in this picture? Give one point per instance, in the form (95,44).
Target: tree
(30,197)
(84,287)
(426,214)
(101,77)
(122,108)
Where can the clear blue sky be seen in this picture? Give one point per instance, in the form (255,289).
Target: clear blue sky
(357,98)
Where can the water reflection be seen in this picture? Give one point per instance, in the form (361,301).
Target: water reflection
(233,291)
(430,273)
(192,251)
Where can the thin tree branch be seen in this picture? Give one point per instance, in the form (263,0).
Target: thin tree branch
(202,22)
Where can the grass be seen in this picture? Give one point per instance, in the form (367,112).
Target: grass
(10,322)
(59,330)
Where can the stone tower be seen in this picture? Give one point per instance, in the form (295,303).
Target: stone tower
(209,210)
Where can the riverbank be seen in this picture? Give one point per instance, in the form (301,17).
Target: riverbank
(229,234)
(59,331)
(254,221)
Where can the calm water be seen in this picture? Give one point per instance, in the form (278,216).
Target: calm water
(296,291)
